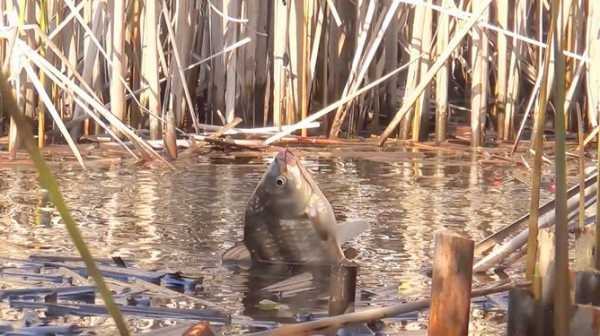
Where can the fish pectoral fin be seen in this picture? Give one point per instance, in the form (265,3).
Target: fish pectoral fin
(313,215)
(349,230)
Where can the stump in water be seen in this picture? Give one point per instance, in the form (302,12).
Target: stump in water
(451,285)
(342,288)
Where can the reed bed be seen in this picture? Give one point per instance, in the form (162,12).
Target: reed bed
(138,70)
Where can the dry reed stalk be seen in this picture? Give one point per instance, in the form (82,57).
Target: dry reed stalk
(593,67)
(372,47)
(514,75)
(536,174)
(178,68)
(217,76)
(391,62)
(262,75)
(248,60)
(184,17)
(597,233)
(150,97)
(316,44)
(502,59)
(562,304)
(305,8)
(324,111)
(232,9)
(442,77)
(454,42)
(421,111)
(581,250)
(479,80)
(117,91)
(363,28)
(294,28)
(412,78)
(280,61)
(41,113)
(90,63)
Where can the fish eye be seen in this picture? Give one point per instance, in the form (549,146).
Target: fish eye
(280,181)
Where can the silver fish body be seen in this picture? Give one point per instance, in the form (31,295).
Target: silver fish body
(288,219)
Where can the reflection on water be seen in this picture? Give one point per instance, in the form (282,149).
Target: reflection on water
(184,219)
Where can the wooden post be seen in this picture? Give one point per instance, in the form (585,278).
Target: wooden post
(521,313)
(342,290)
(451,285)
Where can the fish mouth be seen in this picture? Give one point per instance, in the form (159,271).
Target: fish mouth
(284,158)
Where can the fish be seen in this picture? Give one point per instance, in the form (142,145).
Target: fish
(289,220)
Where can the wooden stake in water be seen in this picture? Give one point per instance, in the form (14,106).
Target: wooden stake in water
(342,289)
(451,285)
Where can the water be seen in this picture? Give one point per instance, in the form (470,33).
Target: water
(184,219)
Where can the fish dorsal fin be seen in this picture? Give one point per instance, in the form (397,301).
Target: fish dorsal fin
(349,230)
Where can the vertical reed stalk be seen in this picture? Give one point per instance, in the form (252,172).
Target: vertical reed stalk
(503,58)
(421,113)
(514,76)
(43,22)
(233,9)
(442,77)
(479,80)
(597,256)
(593,68)
(280,61)
(304,52)
(151,96)
(117,91)
(580,248)
(412,78)
(536,173)
(562,302)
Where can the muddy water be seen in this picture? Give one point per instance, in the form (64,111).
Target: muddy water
(184,219)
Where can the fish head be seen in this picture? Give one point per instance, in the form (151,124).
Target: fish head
(286,185)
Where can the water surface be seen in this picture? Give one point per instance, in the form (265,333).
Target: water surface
(184,219)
